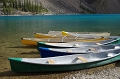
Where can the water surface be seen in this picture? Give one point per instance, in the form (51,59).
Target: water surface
(27,25)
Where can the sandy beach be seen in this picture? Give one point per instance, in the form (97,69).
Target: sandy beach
(12,47)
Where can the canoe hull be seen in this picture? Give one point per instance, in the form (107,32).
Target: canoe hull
(45,52)
(45,45)
(33,41)
(52,52)
(18,66)
(28,42)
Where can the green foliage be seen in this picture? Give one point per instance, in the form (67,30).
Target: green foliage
(26,5)
(19,4)
(11,4)
(4,10)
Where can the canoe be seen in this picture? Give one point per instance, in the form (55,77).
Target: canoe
(70,34)
(54,32)
(33,41)
(41,35)
(64,63)
(77,44)
(78,34)
(64,33)
(51,52)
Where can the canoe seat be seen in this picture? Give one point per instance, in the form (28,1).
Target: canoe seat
(69,51)
(54,36)
(82,59)
(93,49)
(51,62)
(76,45)
(98,44)
(76,37)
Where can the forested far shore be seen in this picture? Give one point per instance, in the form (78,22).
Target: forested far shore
(9,6)
(33,7)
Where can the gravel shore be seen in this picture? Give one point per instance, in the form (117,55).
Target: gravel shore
(98,73)
(12,47)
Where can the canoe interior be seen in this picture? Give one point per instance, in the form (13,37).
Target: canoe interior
(85,49)
(72,44)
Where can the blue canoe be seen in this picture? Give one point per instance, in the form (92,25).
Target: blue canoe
(51,52)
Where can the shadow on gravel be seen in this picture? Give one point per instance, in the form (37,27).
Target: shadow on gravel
(117,64)
(10,73)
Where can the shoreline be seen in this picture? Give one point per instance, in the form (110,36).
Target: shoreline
(58,14)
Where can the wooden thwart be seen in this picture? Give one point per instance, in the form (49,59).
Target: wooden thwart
(93,49)
(69,51)
(82,59)
(98,44)
(51,61)
(77,45)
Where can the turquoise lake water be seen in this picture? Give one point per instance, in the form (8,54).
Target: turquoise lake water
(27,25)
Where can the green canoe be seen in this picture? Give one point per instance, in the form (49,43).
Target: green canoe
(64,63)
(76,44)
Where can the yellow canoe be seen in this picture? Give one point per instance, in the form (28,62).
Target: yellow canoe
(33,41)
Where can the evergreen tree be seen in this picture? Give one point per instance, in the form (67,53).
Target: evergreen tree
(16,4)
(11,4)
(19,4)
(4,3)
(29,5)
(33,9)
(7,11)
(22,6)
(4,10)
